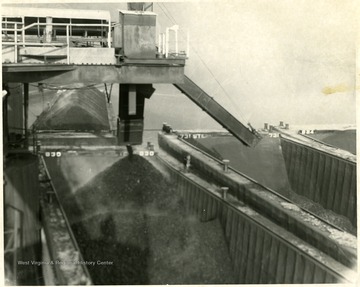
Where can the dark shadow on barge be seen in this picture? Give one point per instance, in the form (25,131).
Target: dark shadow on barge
(134,226)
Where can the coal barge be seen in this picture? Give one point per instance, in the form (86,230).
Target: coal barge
(86,203)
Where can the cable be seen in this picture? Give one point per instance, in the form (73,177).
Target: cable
(169,13)
(172,19)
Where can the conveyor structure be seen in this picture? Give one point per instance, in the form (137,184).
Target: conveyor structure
(247,135)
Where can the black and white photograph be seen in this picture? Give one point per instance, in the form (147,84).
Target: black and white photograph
(179,143)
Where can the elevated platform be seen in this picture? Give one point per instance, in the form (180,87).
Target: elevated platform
(67,46)
(161,72)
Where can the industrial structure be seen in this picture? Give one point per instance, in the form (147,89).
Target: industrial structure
(270,240)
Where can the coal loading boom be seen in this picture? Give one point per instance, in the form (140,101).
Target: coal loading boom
(247,135)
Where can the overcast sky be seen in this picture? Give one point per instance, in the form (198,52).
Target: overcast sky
(274,59)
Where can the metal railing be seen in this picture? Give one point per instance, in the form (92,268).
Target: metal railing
(165,43)
(67,26)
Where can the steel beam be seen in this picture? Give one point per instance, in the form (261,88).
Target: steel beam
(18,68)
(130,74)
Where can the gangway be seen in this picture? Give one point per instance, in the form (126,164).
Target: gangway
(247,135)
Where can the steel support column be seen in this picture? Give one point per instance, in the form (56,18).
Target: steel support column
(26,113)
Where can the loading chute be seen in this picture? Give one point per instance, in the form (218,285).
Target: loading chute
(247,135)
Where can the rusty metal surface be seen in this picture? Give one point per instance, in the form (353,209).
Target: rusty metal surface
(138,34)
(321,176)
(261,251)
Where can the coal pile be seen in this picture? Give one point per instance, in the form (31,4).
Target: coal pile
(328,215)
(342,139)
(265,164)
(130,216)
(345,140)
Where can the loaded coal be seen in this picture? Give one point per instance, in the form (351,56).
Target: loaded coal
(343,139)
(259,162)
(133,224)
